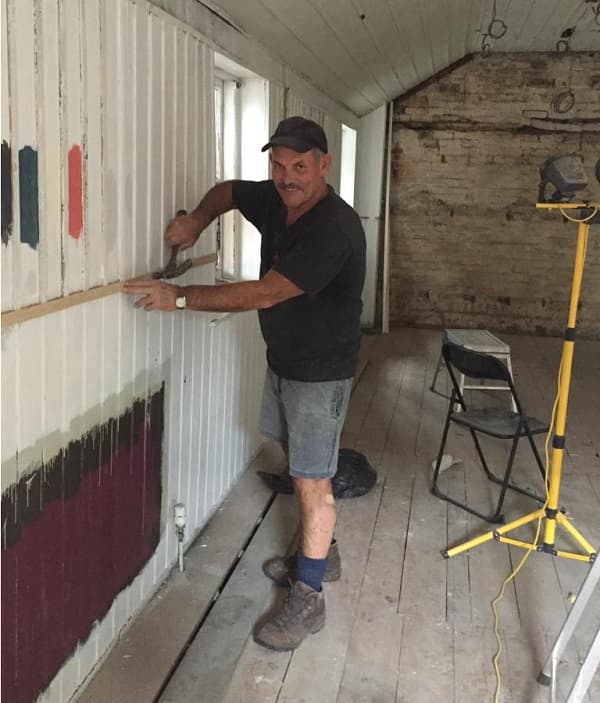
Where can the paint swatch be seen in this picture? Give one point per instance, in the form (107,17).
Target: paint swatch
(75,178)
(77,531)
(6,194)
(28,197)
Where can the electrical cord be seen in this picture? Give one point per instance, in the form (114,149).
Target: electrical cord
(574,219)
(521,563)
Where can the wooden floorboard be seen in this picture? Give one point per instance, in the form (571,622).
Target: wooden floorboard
(405,625)
(207,668)
(136,668)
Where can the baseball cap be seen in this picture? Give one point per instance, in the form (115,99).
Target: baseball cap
(298,134)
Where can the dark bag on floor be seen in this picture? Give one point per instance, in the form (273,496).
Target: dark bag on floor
(354,476)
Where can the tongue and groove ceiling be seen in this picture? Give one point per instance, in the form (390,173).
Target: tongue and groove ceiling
(363,53)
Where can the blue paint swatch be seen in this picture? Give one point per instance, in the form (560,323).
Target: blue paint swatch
(28,196)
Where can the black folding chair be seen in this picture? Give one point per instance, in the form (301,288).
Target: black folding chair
(502,423)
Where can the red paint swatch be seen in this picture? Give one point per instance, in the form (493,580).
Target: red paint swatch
(75,192)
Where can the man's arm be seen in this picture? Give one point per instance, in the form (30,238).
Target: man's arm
(229,297)
(184,230)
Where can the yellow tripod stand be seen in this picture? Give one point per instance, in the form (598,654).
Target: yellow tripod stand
(550,513)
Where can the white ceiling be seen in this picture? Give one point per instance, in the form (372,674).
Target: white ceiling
(363,53)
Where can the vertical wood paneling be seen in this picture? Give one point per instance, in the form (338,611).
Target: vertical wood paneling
(7,244)
(53,411)
(137,97)
(50,159)
(180,137)
(73,236)
(156,154)
(30,384)
(210,458)
(196,463)
(143,119)
(193,86)
(22,49)
(10,408)
(143,128)
(126,130)
(91,382)
(111,18)
(170,111)
(186,425)
(108,371)
(191,439)
(276,105)
(94,245)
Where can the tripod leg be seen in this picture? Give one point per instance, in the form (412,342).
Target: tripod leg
(566,524)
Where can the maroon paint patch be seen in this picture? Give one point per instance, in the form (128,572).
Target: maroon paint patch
(75,169)
(76,533)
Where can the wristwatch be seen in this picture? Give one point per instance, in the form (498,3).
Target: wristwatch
(180,300)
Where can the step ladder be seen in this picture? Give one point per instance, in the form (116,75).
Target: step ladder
(480,341)
(548,674)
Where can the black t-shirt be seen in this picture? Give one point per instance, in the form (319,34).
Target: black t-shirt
(314,336)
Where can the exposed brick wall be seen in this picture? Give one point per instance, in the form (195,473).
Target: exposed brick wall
(468,247)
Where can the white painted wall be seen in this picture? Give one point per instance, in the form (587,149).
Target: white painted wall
(141,106)
(370,152)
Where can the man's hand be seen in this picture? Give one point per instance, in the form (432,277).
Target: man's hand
(184,230)
(157,295)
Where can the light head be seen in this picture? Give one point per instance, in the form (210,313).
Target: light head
(566,174)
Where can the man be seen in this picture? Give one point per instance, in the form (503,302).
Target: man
(308,299)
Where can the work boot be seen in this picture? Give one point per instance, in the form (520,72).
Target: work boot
(303,613)
(283,570)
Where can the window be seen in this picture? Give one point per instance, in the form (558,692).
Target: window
(241,128)
(348,163)
(227,119)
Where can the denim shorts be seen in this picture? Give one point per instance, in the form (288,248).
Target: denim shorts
(309,416)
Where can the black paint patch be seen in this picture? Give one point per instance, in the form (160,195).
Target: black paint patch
(28,197)
(504,299)
(7,216)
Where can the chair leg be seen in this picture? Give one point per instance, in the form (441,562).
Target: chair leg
(512,486)
(436,491)
(437,373)
(505,482)
(461,384)
(509,367)
(537,456)
(436,471)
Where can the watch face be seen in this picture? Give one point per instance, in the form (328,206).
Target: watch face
(180,302)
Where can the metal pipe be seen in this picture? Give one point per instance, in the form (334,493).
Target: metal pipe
(179,517)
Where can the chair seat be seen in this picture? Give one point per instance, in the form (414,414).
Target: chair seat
(497,422)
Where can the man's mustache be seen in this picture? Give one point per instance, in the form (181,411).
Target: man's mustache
(288,186)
